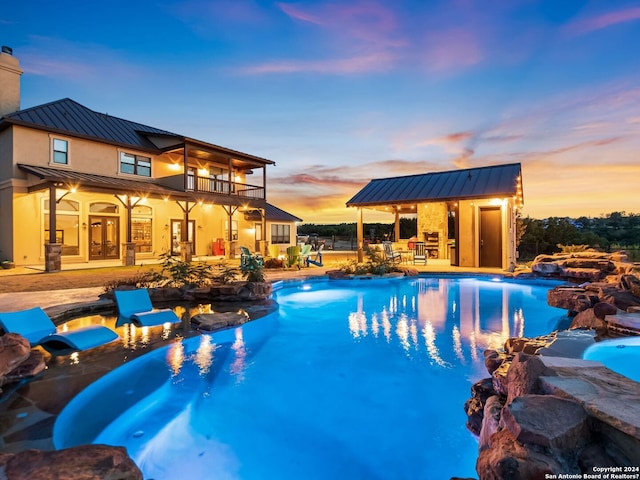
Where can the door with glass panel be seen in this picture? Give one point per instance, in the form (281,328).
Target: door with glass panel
(176,235)
(103,238)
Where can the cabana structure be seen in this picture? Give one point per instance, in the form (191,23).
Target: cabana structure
(466,216)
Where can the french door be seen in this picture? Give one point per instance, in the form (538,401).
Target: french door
(176,235)
(103,237)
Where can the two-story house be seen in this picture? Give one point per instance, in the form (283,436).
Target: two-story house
(81,186)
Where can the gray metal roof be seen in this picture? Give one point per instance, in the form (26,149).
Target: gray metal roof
(70,117)
(273,214)
(67,116)
(100,182)
(483,182)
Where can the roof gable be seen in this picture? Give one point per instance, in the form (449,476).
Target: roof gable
(68,116)
(483,182)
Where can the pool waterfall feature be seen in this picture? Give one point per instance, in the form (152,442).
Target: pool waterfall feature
(242,398)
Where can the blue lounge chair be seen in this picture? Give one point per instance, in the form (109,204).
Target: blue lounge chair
(135,306)
(36,326)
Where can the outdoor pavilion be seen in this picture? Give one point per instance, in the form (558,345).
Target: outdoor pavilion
(467,216)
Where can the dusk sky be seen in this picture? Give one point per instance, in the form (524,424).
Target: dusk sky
(340,92)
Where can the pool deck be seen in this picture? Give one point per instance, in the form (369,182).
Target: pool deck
(32,297)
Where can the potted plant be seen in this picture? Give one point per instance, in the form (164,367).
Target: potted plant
(7,264)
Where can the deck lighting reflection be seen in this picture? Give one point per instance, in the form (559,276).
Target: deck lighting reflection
(204,354)
(306,287)
(402,330)
(457,343)
(239,363)
(175,358)
(74,358)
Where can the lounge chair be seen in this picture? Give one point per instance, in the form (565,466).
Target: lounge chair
(395,257)
(36,326)
(420,253)
(246,258)
(135,307)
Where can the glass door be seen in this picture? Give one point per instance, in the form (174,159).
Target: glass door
(103,238)
(176,235)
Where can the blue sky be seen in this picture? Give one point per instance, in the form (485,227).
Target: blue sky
(339,92)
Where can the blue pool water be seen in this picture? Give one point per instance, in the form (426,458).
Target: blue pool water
(349,380)
(620,355)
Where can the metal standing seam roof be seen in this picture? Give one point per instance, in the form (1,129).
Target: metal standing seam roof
(69,116)
(130,186)
(272,213)
(482,182)
(123,185)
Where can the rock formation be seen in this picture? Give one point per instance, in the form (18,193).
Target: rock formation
(530,425)
(17,360)
(86,462)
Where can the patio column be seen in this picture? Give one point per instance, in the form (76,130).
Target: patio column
(396,232)
(360,236)
(128,247)
(52,250)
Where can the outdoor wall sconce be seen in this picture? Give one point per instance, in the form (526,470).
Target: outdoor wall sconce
(67,192)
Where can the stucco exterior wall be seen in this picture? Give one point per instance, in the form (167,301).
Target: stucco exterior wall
(467,225)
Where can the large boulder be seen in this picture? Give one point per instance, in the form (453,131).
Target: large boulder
(548,421)
(474,407)
(86,462)
(14,349)
(522,377)
(509,460)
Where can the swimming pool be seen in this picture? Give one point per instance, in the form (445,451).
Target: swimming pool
(620,355)
(350,379)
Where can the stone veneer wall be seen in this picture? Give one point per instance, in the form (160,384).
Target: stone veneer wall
(432,217)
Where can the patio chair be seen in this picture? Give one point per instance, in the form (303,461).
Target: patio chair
(420,253)
(395,257)
(36,326)
(135,307)
(246,258)
(274,251)
(318,260)
(305,252)
(293,256)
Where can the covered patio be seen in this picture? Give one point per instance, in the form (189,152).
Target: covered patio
(466,216)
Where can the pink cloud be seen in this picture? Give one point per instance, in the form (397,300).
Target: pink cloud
(375,62)
(451,50)
(605,20)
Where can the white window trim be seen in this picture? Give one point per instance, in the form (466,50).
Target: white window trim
(120,151)
(52,151)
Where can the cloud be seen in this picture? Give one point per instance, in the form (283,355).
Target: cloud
(605,20)
(377,62)
(75,62)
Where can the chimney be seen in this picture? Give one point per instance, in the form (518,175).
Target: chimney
(9,82)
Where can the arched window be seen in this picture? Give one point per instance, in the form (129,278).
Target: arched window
(104,207)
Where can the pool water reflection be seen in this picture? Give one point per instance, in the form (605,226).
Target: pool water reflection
(349,379)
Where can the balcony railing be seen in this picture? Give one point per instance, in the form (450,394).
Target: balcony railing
(224,187)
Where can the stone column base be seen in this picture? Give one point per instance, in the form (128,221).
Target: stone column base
(230,249)
(129,254)
(53,257)
(186,251)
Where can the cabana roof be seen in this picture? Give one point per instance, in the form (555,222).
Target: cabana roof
(451,185)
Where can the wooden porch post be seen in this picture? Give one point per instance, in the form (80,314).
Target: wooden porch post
(52,250)
(360,236)
(396,232)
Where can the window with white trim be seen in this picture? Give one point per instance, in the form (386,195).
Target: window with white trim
(135,164)
(60,151)
(280,233)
